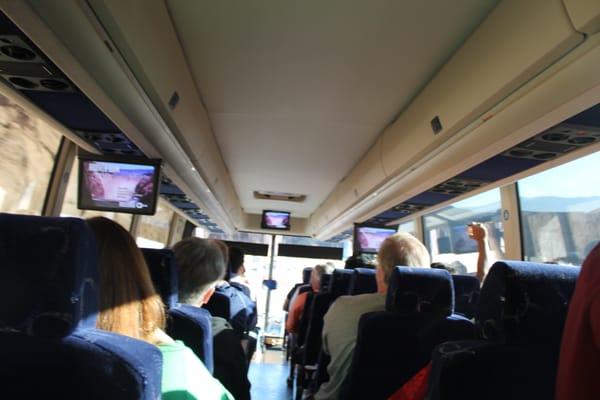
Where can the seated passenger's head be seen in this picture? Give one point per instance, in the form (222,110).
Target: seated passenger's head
(200,266)
(400,249)
(236,261)
(317,273)
(358,261)
(129,304)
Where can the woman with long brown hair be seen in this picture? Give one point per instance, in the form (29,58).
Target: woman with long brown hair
(129,305)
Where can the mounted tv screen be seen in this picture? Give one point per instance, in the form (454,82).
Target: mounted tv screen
(275,220)
(126,185)
(367,239)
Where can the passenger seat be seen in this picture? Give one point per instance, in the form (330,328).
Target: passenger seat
(50,349)
(191,325)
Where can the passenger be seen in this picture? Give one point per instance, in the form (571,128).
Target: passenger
(487,248)
(341,321)
(237,270)
(579,361)
(200,265)
(129,305)
(358,261)
(297,305)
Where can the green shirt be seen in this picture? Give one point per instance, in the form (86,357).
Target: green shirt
(184,377)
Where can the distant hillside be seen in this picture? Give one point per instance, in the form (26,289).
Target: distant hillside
(562,204)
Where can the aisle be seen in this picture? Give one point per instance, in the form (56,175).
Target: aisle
(268,373)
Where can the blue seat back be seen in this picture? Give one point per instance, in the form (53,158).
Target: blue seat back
(325,279)
(187,323)
(420,290)
(525,302)
(306,275)
(163,270)
(339,284)
(192,325)
(393,345)
(466,294)
(218,305)
(520,317)
(48,308)
(363,281)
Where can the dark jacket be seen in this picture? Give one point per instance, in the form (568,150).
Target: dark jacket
(230,364)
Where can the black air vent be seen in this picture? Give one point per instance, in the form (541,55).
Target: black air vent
(456,186)
(561,139)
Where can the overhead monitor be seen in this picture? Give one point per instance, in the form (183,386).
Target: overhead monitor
(118,184)
(275,220)
(367,239)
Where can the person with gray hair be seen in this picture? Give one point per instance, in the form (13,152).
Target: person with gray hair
(341,321)
(201,264)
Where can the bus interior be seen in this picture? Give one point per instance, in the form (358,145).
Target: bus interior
(284,128)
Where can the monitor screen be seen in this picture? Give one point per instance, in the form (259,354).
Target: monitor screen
(125,185)
(367,239)
(275,220)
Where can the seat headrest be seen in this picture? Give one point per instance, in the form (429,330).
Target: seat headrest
(49,278)
(340,282)
(420,290)
(306,275)
(325,279)
(163,270)
(363,281)
(525,302)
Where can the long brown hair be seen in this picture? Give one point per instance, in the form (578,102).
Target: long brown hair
(129,304)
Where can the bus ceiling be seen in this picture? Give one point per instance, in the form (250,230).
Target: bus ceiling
(375,111)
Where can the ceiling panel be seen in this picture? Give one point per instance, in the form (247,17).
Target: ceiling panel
(298,91)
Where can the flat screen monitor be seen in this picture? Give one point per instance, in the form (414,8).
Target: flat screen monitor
(126,185)
(367,239)
(275,220)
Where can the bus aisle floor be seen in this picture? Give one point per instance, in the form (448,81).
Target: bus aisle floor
(268,373)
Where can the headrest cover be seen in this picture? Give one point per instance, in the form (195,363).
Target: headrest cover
(363,281)
(163,270)
(49,278)
(525,302)
(420,290)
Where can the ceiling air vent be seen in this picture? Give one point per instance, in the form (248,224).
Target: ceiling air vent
(555,141)
(409,207)
(457,186)
(280,196)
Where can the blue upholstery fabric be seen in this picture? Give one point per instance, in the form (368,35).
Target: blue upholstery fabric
(420,290)
(520,318)
(394,345)
(524,302)
(48,275)
(304,320)
(50,272)
(193,327)
(304,289)
(325,279)
(312,342)
(306,275)
(339,284)
(187,323)
(363,281)
(163,270)
(391,348)
(466,294)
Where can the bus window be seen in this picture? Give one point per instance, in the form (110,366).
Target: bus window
(408,227)
(69,208)
(560,212)
(153,231)
(446,230)
(28,147)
